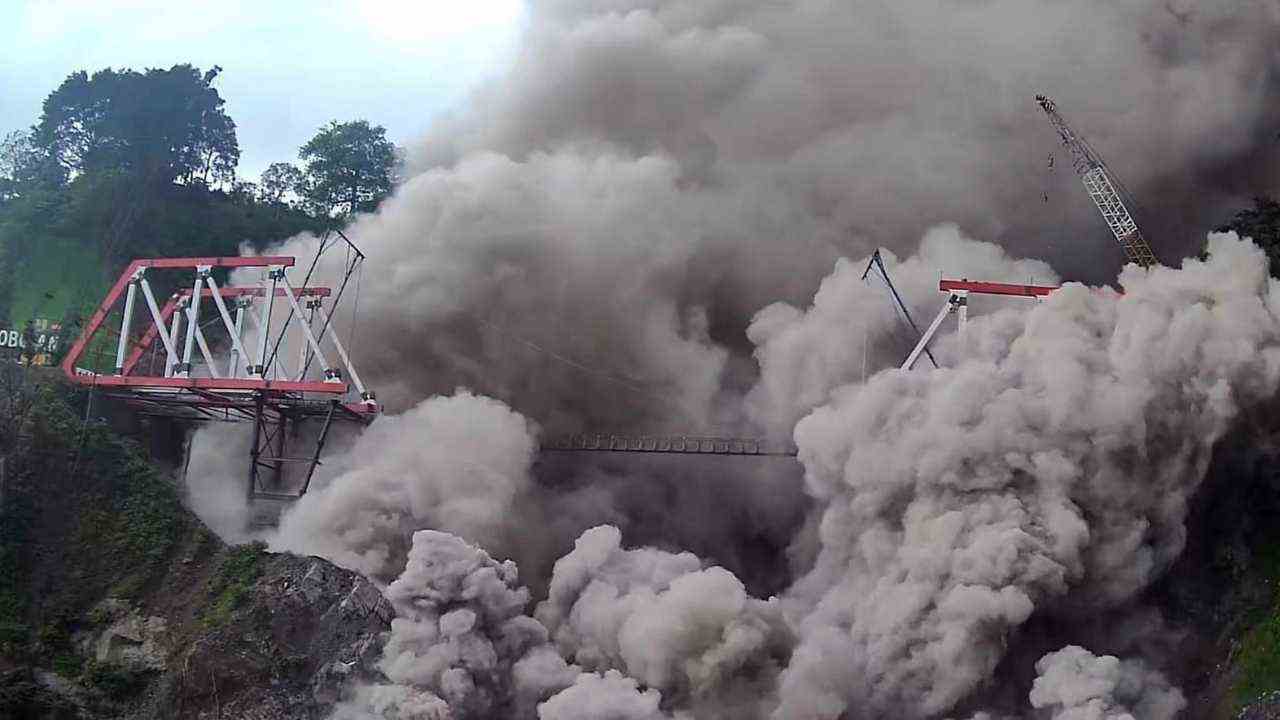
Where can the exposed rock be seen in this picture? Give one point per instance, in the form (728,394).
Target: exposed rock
(1266,707)
(38,695)
(132,640)
(305,629)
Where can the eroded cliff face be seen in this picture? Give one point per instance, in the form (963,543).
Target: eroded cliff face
(235,633)
(302,629)
(116,602)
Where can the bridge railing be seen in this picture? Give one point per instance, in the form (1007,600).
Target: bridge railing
(679,444)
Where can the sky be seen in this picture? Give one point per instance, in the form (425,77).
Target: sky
(288,67)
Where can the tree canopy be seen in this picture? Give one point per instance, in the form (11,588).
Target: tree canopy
(15,154)
(278,181)
(1262,223)
(160,126)
(124,164)
(348,168)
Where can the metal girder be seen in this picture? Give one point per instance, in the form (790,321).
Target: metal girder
(958,302)
(199,317)
(994,288)
(677,444)
(166,328)
(213,383)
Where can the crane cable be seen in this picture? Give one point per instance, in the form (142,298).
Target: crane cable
(877,263)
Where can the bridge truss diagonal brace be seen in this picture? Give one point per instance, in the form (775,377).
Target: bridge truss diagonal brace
(170,339)
(184,309)
(234,327)
(957,302)
(134,274)
(298,317)
(252,387)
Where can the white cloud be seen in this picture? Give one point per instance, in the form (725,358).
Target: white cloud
(412,21)
(128,20)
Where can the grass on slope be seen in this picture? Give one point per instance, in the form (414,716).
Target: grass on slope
(61,275)
(240,569)
(84,512)
(1258,662)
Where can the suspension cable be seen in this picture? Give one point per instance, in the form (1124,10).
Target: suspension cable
(355,309)
(305,282)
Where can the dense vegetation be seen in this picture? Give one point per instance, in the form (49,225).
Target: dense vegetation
(84,514)
(121,516)
(123,164)
(93,538)
(1262,223)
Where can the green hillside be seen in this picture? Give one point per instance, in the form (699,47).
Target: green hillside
(61,279)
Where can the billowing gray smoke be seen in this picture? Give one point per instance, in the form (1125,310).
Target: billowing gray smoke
(462,646)
(692,633)
(1055,458)
(803,355)
(877,119)
(588,238)
(1075,684)
(454,463)
(626,232)
(1048,467)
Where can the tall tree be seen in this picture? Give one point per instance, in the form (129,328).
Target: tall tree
(23,167)
(15,148)
(158,126)
(348,168)
(279,180)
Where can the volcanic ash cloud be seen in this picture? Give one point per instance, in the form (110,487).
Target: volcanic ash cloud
(1075,684)
(454,463)
(461,645)
(1056,457)
(690,631)
(804,354)
(650,635)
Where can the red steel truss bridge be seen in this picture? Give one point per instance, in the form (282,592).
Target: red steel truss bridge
(267,354)
(218,352)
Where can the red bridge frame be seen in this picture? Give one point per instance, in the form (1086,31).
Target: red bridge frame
(133,278)
(958,302)
(251,388)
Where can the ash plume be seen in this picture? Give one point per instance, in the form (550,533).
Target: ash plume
(455,463)
(804,354)
(877,120)
(1043,472)
(589,235)
(1049,470)
(610,695)
(1075,684)
(461,646)
(691,632)
(626,232)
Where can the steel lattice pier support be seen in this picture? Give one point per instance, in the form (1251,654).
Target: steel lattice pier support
(276,431)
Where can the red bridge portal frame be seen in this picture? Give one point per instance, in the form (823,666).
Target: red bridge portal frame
(172,361)
(958,302)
